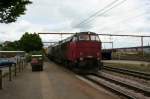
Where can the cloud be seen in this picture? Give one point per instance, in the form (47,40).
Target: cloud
(130,17)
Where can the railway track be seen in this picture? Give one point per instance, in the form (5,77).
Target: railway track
(121,87)
(134,73)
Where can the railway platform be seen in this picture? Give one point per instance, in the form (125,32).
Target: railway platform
(53,82)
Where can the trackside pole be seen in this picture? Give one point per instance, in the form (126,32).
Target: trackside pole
(19,66)
(142,46)
(0,79)
(22,64)
(10,73)
(15,69)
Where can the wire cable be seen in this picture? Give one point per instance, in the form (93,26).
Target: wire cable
(106,11)
(128,18)
(98,14)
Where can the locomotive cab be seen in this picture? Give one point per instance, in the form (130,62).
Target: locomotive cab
(84,51)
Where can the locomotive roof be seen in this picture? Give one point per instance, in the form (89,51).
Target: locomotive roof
(69,38)
(85,33)
(80,33)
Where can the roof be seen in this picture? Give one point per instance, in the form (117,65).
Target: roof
(36,55)
(128,48)
(12,51)
(134,47)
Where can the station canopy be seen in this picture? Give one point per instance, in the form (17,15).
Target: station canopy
(6,54)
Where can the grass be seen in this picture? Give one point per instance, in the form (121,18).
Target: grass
(137,67)
(131,56)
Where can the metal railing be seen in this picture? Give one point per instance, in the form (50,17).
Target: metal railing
(19,65)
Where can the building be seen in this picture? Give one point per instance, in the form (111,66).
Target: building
(146,49)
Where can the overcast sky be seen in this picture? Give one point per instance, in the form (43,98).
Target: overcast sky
(125,17)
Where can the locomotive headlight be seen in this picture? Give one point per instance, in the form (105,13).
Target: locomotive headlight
(81,58)
(81,53)
(98,54)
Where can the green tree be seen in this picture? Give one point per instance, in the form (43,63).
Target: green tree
(31,42)
(0,46)
(11,46)
(10,10)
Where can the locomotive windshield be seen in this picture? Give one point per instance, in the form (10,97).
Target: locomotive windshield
(94,38)
(87,37)
(84,38)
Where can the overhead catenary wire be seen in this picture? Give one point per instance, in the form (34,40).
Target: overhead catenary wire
(94,14)
(127,19)
(101,12)
(105,11)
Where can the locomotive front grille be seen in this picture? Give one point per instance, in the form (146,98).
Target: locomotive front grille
(88,63)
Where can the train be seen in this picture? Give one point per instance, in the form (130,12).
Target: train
(107,54)
(80,52)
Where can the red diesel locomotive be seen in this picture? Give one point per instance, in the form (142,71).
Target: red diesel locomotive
(80,52)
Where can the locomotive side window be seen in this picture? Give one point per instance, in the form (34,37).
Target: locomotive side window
(74,39)
(84,37)
(94,38)
(97,38)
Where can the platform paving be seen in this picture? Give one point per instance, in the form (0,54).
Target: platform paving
(53,83)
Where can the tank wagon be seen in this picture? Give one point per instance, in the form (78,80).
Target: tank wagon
(80,52)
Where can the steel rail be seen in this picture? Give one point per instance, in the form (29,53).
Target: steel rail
(143,89)
(109,88)
(119,90)
(134,73)
(105,85)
